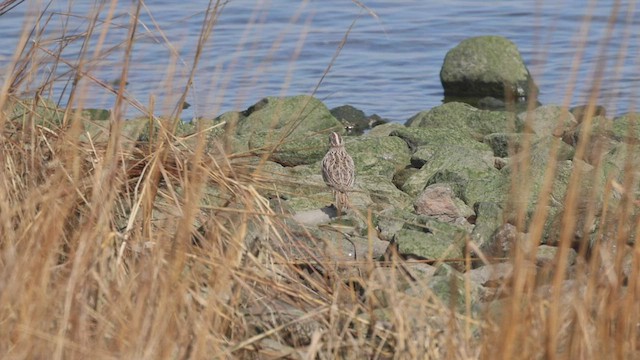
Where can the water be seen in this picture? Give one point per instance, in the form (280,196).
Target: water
(389,64)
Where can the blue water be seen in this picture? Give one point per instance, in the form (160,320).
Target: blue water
(389,64)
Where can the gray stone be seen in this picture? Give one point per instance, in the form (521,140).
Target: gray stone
(488,219)
(548,120)
(486,66)
(385,129)
(579,112)
(41,111)
(422,236)
(437,138)
(439,201)
(290,130)
(503,144)
(537,159)
(291,150)
(449,286)
(402,175)
(626,128)
(461,117)
(298,115)
(546,255)
(383,193)
(377,155)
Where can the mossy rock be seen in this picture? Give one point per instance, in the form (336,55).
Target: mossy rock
(383,193)
(292,151)
(462,117)
(626,128)
(292,130)
(548,120)
(385,129)
(437,138)
(300,115)
(486,66)
(422,236)
(503,143)
(373,155)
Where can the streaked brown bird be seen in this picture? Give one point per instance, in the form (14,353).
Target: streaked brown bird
(338,170)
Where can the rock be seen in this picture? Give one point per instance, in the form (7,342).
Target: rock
(377,155)
(402,175)
(449,286)
(491,275)
(584,224)
(626,128)
(293,322)
(96,114)
(383,193)
(488,219)
(98,131)
(291,130)
(421,236)
(438,201)
(486,66)
(548,120)
(538,158)
(503,144)
(43,111)
(354,120)
(385,129)
(435,138)
(501,242)
(461,117)
(546,256)
(601,139)
(225,133)
(293,150)
(580,111)
(300,115)
(491,103)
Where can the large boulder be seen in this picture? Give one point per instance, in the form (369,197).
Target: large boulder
(486,66)
(462,117)
(439,202)
(377,155)
(538,159)
(548,120)
(290,131)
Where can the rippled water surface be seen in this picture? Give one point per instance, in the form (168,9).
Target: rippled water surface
(389,64)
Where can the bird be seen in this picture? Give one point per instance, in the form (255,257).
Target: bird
(338,170)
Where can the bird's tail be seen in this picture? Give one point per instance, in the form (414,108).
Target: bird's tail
(342,201)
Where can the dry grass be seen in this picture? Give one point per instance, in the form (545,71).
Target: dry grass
(89,269)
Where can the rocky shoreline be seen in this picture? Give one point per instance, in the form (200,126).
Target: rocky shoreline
(454,181)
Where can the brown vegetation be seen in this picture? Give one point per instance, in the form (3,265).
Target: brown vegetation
(89,269)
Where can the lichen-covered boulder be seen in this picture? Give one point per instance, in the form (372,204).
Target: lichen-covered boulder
(462,117)
(548,120)
(290,130)
(377,155)
(486,66)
